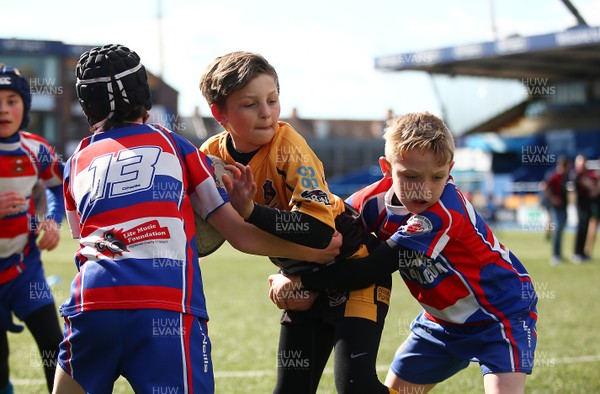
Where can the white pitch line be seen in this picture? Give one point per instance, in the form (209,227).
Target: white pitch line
(272,372)
(384,368)
(577,360)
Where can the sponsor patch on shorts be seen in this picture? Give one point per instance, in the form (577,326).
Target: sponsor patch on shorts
(383,294)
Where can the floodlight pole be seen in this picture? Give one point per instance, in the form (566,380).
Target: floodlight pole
(575,12)
(159,17)
(493,20)
(439,98)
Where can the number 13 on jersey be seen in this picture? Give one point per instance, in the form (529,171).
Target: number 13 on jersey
(128,171)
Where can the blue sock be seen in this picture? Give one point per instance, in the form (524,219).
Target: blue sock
(8,389)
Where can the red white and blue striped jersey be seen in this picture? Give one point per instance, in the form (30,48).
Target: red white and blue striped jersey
(451,261)
(130,196)
(26,158)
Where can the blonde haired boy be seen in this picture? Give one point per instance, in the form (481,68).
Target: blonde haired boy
(478,300)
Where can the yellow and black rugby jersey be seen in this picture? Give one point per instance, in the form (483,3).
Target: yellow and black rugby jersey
(288,174)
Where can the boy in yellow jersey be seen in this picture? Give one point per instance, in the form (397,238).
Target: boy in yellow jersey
(293,202)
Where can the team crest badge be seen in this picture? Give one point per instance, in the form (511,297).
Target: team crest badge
(316,195)
(18,165)
(417,225)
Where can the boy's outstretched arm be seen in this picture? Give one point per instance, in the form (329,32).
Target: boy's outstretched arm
(241,189)
(250,239)
(354,274)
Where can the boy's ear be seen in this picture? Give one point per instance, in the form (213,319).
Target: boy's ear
(217,113)
(386,167)
(451,165)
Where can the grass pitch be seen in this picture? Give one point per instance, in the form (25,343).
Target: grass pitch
(244,325)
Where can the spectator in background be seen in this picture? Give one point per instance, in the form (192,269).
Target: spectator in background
(546,207)
(489,211)
(595,217)
(585,189)
(555,191)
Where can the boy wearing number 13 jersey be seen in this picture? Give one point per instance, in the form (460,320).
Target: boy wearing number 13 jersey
(293,202)
(137,306)
(126,193)
(127,179)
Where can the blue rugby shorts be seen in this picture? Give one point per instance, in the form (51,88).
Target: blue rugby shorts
(433,352)
(155,350)
(24,294)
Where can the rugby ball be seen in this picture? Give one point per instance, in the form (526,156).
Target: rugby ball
(208,239)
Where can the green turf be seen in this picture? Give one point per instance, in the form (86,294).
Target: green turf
(244,323)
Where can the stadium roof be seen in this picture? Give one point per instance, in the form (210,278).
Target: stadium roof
(573,53)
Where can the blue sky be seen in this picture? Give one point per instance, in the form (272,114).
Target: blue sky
(323,50)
